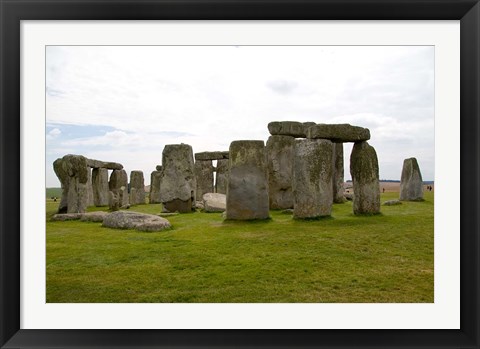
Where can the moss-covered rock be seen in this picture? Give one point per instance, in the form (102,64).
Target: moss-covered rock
(411,182)
(339,133)
(204,177)
(289,128)
(312,178)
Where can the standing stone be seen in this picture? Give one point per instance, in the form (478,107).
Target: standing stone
(312,178)
(119,181)
(411,182)
(247,190)
(137,188)
(90,201)
(221,179)
(178,181)
(280,153)
(64,178)
(338,174)
(204,177)
(100,186)
(78,190)
(155,186)
(365,177)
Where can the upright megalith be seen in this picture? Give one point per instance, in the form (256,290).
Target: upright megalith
(178,181)
(73,173)
(221,178)
(100,186)
(312,178)
(338,174)
(137,188)
(280,153)
(365,177)
(118,185)
(411,182)
(90,200)
(204,177)
(155,186)
(247,189)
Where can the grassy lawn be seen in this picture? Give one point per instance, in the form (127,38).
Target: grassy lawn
(386,258)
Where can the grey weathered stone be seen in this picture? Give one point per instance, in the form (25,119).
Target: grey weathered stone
(211,155)
(221,178)
(135,220)
(61,217)
(338,174)
(118,179)
(365,177)
(280,153)
(411,182)
(158,167)
(64,178)
(289,128)
(339,133)
(392,202)
(90,200)
(118,198)
(348,196)
(247,191)
(204,177)
(178,181)
(96,216)
(100,186)
(137,188)
(102,164)
(312,178)
(155,186)
(214,202)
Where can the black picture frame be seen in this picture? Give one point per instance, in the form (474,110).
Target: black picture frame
(13,11)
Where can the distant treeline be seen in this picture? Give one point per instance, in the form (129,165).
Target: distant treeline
(54,192)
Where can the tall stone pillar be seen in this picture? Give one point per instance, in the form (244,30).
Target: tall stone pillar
(280,153)
(338,174)
(411,182)
(365,177)
(90,201)
(312,178)
(155,186)
(100,186)
(118,184)
(247,190)
(178,182)
(137,188)
(204,177)
(221,179)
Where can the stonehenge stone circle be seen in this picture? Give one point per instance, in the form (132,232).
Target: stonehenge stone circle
(365,177)
(204,176)
(289,128)
(137,188)
(178,182)
(247,189)
(280,153)
(338,174)
(155,186)
(312,178)
(100,186)
(411,182)
(338,133)
(222,176)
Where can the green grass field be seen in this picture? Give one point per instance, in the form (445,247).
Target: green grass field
(386,258)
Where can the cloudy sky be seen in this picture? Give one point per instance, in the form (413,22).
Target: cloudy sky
(125,103)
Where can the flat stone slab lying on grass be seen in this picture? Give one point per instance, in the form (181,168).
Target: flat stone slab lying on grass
(96,216)
(214,202)
(392,202)
(61,217)
(135,220)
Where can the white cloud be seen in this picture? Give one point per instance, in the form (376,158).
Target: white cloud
(209,96)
